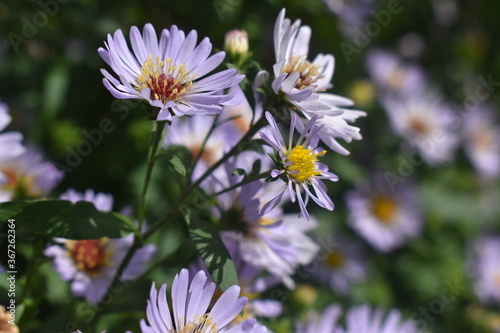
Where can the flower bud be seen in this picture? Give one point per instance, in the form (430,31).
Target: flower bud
(236,42)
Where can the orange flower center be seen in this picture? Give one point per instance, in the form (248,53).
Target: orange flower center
(89,255)
(419,126)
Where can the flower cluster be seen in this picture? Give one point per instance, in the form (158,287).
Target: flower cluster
(248,210)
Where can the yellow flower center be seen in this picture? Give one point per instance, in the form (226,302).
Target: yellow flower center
(303,160)
(309,73)
(384,209)
(265,221)
(200,324)
(167,82)
(91,255)
(335,259)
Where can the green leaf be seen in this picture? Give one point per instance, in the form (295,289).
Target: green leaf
(178,165)
(59,218)
(212,250)
(256,167)
(239,172)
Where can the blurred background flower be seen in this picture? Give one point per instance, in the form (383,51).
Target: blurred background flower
(391,58)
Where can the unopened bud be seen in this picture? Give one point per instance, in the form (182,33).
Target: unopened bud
(236,42)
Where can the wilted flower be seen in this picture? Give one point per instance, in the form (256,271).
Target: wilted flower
(481,136)
(484,266)
(28,176)
(91,264)
(7,322)
(190,301)
(168,73)
(365,319)
(426,123)
(383,218)
(298,165)
(303,83)
(324,323)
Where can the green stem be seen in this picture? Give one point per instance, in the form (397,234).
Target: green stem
(156,136)
(137,238)
(240,146)
(245,181)
(36,255)
(200,153)
(235,150)
(116,282)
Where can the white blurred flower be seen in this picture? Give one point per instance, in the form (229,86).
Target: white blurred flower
(425,121)
(481,137)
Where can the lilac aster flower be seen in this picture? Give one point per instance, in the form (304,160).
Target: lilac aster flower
(481,137)
(220,141)
(351,12)
(363,318)
(10,143)
(91,264)
(190,302)
(299,166)
(324,323)
(425,122)
(383,218)
(303,83)
(392,76)
(252,285)
(484,266)
(342,266)
(28,176)
(10,147)
(275,242)
(168,73)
